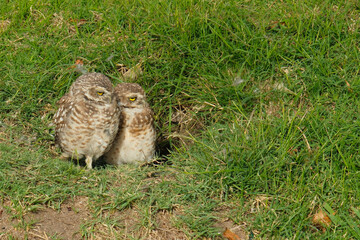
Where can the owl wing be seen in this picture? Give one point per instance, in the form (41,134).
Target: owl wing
(60,117)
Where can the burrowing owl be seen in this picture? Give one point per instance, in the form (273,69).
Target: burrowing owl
(87,120)
(135,141)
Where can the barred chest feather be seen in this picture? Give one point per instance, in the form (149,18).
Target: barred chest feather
(135,141)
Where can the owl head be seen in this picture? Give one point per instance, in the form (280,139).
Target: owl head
(131,95)
(94,87)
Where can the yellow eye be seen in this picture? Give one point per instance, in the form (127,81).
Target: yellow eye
(132,99)
(100,93)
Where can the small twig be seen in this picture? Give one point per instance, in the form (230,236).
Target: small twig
(213,105)
(306,141)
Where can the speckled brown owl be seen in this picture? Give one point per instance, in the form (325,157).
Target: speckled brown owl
(87,120)
(135,141)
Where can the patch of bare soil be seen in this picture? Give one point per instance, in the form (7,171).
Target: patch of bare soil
(43,224)
(131,226)
(8,226)
(66,222)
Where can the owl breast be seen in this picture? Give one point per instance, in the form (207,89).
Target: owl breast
(135,141)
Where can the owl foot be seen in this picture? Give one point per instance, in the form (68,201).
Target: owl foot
(88,161)
(64,156)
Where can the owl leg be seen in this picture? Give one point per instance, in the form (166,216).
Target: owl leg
(64,156)
(88,161)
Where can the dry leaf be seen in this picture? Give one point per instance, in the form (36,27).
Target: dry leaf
(133,73)
(228,234)
(321,220)
(79,61)
(79,66)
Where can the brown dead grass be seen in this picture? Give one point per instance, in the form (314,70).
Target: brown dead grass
(131,227)
(4,24)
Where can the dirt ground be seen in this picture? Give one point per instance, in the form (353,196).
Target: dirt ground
(47,222)
(66,224)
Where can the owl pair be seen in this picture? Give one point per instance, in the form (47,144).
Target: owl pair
(94,119)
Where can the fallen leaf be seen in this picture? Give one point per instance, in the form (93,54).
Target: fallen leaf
(79,61)
(321,220)
(133,73)
(228,234)
(79,66)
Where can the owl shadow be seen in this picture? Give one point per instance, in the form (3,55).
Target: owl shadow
(98,164)
(162,153)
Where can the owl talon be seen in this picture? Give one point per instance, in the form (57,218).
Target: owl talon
(88,161)
(64,156)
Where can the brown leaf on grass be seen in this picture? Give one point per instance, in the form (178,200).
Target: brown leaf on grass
(79,61)
(228,234)
(321,220)
(130,75)
(79,66)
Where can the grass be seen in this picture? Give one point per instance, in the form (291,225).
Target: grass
(267,94)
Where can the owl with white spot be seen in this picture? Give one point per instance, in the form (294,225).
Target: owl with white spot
(135,140)
(87,120)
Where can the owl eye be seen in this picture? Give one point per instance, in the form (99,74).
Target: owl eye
(100,93)
(132,99)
